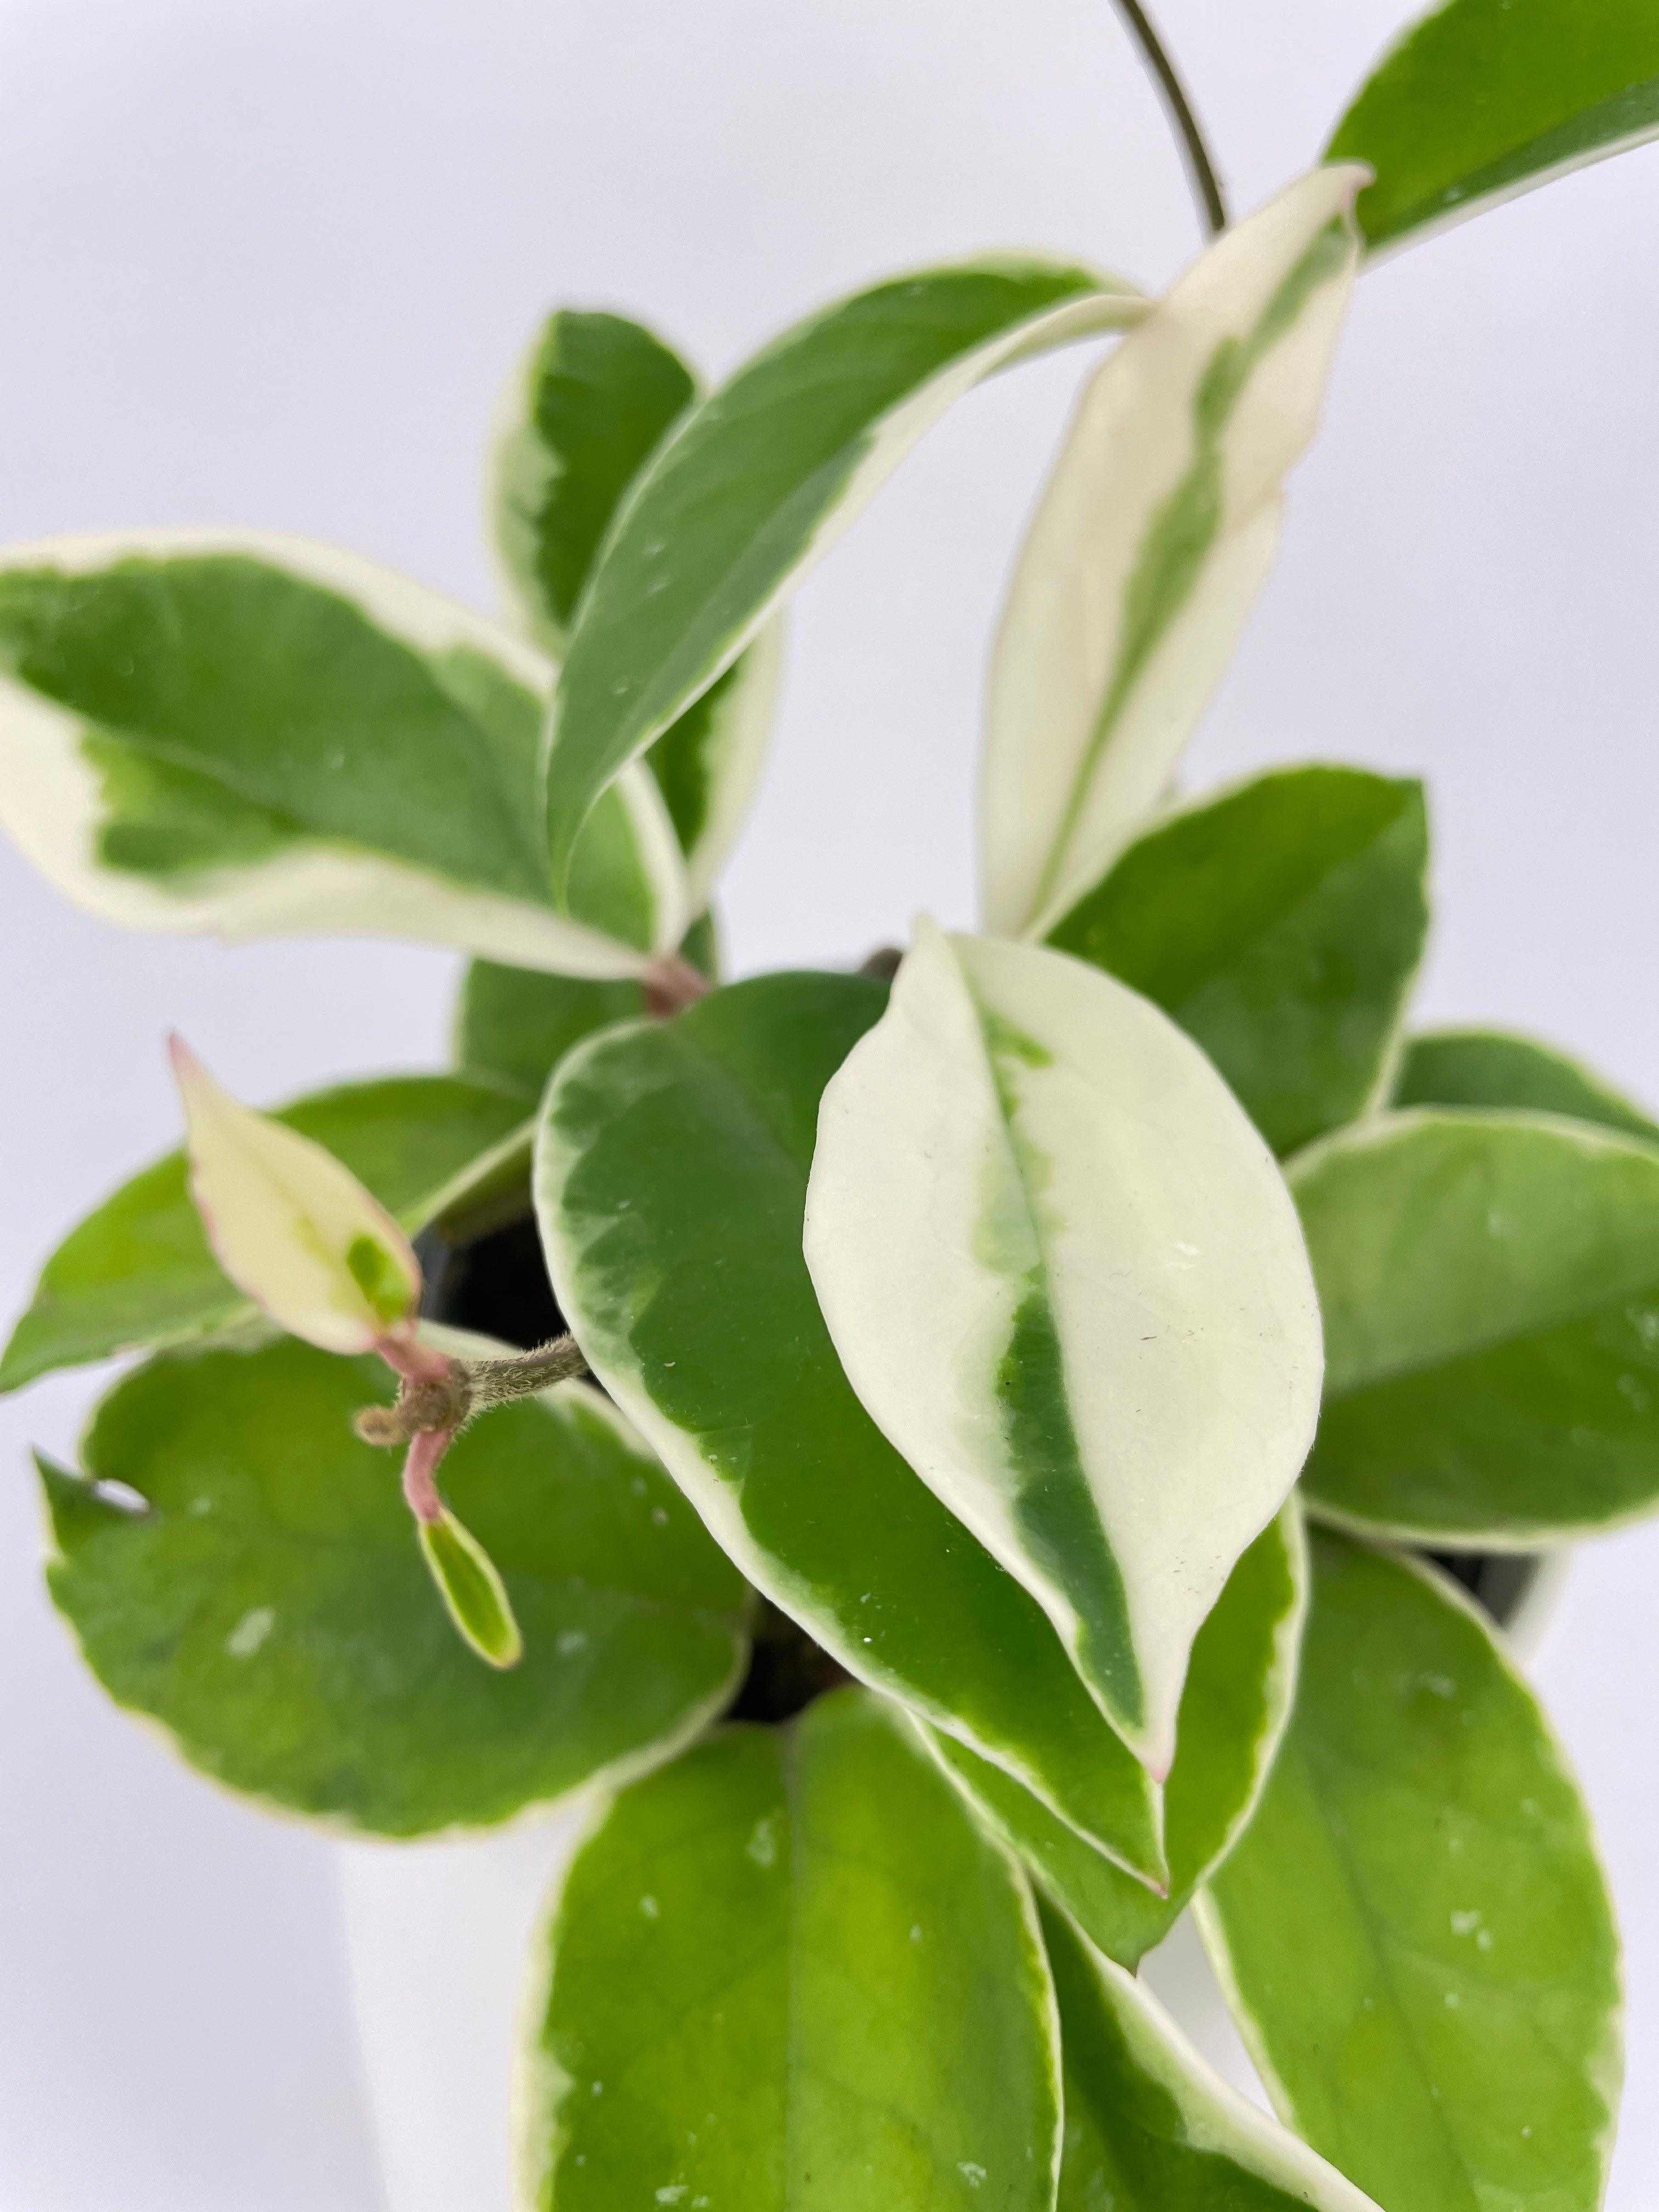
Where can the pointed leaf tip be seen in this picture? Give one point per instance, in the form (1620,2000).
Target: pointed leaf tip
(472,1590)
(289,1225)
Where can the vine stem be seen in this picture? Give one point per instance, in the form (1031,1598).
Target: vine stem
(1206,185)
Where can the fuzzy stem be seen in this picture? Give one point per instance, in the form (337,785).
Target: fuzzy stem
(421,1474)
(670,984)
(497,1381)
(1206,185)
(438,1400)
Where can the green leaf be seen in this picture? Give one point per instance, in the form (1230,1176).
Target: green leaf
(762,478)
(1150,545)
(245,735)
(1233,1712)
(592,398)
(1414,1931)
(1148,2127)
(788,1974)
(472,1590)
(671,1184)
(1065,1279)
(1489,1284)
(267,1603)
(1493,1067)
(515,1026)
(137,1274)
(1484,98)
(1282,925)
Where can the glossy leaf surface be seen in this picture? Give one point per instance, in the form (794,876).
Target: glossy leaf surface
(1065,1277)
(267,1604)
(1149,2127)
(1281,926)
(1150,545)
(138,1273)
(1233,1712)
(248,735)
(594,397)
(1414,1927)
(788,1973)
(764,476)
(1484,98)
(291,1224)
(670,1180)
(1493,1067)
(1489,1284)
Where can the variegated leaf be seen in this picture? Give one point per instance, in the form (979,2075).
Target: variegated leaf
(1065,1279)
(1150,545)
(222,733)
(763,477)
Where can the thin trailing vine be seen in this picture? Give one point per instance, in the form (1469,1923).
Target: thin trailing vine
(1201,167)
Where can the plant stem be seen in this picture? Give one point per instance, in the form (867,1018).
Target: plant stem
(1206,185)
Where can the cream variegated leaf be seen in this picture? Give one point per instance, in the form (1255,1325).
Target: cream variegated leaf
(1065,1279)
(291,1227)
(1150,544)
(244,735)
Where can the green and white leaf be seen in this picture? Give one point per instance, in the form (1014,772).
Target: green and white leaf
(1149,547)
(1414,1931)
(671,1185)
(1149,2127)
(137,1273)
(256,1589)
(593,398)
(1282,925)
(1484,1068)
(1065,1277)
(765,475)
(1481,100)
(291,1224)
(246,735)
(1490,1284)
(1233,1712)
(789,1974)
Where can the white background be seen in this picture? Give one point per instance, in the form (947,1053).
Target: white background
(267,263)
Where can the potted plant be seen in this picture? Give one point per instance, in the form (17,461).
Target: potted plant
(961,1461)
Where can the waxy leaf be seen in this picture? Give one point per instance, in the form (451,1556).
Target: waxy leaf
(1484,98)
(1150,545)
(1281,926)
(251,735)
(762,478)
(267,1604)
(594,397)
(592,400)
(138,1272)
(469,1583)
(1149,2127)
(515,1026)
(1233,1712)
(1413,1930)
(670,1185)
(1064,1275)
(789,1974)
(1490,1284)
(1493,1067)
(292,1228)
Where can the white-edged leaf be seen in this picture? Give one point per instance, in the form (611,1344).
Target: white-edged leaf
(244,734)
(758,481)
(1150,545)
(1065,1279)
(291,1225)
(708,765)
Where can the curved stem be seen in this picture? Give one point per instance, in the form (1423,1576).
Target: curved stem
(1206,185)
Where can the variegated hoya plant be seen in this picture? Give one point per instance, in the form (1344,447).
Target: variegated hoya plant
(1026,1420)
